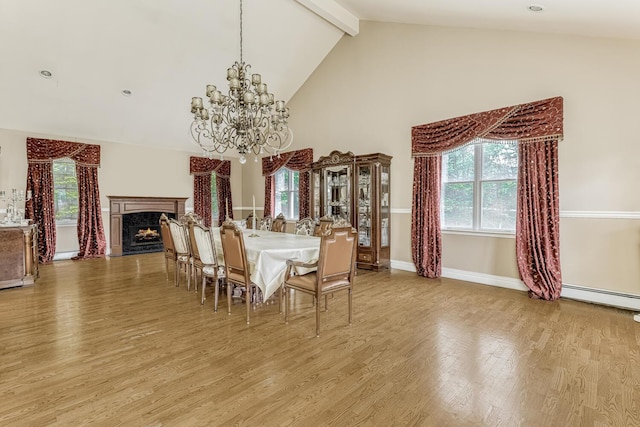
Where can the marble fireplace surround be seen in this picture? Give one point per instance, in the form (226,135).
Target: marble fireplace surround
(121,205)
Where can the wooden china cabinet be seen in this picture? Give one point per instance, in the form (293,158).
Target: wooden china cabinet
(356,188)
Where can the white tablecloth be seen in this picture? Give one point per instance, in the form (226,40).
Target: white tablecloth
(268,253)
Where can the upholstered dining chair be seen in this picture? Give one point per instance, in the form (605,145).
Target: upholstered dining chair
(203,251)
(181,246)
(266,222)
(279,224)
(235,263)
(305,226)
(250,221)
(323,226)
(167,243)
(335,270)
(191,217)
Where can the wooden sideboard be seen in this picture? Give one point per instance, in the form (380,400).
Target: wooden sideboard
(18,255)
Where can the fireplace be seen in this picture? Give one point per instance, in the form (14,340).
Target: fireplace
(141,232)
(135,222)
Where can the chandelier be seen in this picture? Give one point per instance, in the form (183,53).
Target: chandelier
(247,119)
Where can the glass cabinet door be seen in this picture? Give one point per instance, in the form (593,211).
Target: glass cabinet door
(364,205)
(315,188)
(338,197)
(385,208)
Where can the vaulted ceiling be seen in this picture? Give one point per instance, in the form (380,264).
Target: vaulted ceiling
(166,51)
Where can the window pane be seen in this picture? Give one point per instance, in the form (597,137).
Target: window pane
(499,161)
(296,205)
(458,165)
(65,190)
(281,178)
(499,205)
(458,205)
(214,198)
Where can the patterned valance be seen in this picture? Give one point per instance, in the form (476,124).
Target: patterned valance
(299,160)
(48,150)
(535,121)
(205,166)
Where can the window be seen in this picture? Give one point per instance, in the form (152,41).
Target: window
(479,187)
(286,193)
(65,191)
(214,199)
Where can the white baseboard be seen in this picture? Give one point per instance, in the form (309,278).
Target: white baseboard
(569,291)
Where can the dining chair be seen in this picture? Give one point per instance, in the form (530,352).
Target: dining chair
(305,226)
(187,220)
(335,269)
(279,224)
(249,221)
(181,246)
(323,226)
(266,223)
(167,243)
(235,263)
(191,217)
(203,251)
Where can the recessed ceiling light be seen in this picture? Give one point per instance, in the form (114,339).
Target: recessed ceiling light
(46,74)
(535,8)
(126,92)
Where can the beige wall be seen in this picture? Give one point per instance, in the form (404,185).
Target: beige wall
(126,170)
(372,88)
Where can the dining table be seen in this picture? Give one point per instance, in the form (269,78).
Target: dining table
(267,255)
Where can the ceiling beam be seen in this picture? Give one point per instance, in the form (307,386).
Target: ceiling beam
(335,14)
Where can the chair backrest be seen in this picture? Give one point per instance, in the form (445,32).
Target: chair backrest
(250,221)
(279,224)
(165,232)
(235,256)
(305,227)
(179,235)
(191,217)
(203,248)
(265,223)
(324,226)
(337,255)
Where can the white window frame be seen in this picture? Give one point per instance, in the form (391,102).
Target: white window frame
(477,197)
(293,189)
(62,222)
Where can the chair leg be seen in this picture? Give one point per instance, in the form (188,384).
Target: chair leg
(216,293)
(286,305)
(204,286)
(177,274)
(326,303)
(248,301)
(350,306)
(187,271)
(318,319)
(166,267)
(229,290)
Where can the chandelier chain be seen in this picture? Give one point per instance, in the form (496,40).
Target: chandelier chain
(247,119)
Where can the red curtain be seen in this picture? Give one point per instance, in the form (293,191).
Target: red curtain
(426,243)
(536,124)
(538,219)
(40,208)
(40,155)
(300,161)
(201,168)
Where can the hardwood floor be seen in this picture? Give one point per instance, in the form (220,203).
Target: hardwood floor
(112,342)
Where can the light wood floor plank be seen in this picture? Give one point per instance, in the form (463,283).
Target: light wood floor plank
(113,342)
